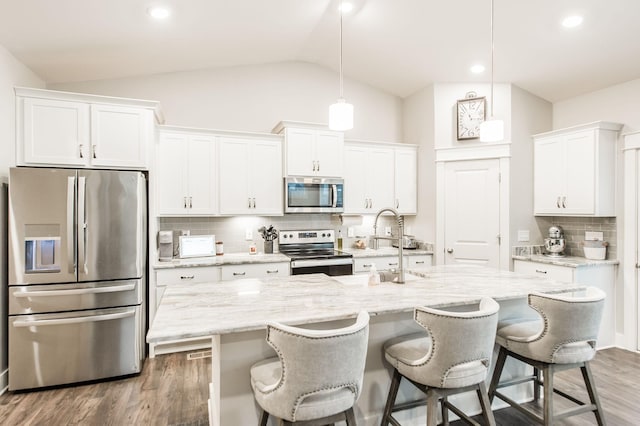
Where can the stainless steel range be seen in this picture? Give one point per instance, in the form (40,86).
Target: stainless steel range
(313,252)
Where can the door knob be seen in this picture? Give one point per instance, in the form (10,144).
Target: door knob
(449,250)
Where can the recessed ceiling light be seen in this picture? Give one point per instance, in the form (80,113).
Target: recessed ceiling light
(159,12)
(477,69)
(572,21)
(346,7)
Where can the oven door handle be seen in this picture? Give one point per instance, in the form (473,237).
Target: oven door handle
(307,263)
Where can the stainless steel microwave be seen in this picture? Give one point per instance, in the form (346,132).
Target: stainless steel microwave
(313,195)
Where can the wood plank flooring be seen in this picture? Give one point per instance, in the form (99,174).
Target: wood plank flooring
(172,390)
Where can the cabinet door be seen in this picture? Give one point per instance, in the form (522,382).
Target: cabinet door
(580,169)
(233,174)
(119,136)
(55,132)
(380,178)
(548,175)
(329,153)
(355,180)
(300,152)
(201,175)
(171,174)
(266,183)
(406,178)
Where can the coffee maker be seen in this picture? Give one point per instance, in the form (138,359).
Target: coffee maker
(555,244)
(165,246)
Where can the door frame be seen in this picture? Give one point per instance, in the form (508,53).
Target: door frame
(502,152)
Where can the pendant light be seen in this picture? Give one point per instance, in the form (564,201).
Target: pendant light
(341,113)
(492,130)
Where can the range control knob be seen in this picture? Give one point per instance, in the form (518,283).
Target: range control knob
(324,235)
(284,235)
(290,235)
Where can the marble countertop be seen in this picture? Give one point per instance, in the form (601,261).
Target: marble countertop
(568,261)
(198,310)
(225,259)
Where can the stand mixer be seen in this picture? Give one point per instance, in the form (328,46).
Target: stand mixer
(555,244)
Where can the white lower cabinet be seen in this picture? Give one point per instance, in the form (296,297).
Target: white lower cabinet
(254,270)
(600,276)
(384,263)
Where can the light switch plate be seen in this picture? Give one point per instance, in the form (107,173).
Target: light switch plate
(387,231)
(185,232)
(523,235)
(350,232)
(248,234)
(593,236)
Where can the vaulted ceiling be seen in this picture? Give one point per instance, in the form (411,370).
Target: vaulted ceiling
(399,46)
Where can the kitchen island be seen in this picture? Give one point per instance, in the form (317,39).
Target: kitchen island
(235,315)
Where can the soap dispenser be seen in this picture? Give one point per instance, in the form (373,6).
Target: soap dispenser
(374,276)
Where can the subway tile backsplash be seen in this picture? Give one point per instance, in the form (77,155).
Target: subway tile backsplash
(575,227)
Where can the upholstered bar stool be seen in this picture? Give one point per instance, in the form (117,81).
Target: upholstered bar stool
(453,356)
(563,338)
(317,376)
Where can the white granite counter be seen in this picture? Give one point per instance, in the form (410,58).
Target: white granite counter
(569,261)
(225,259)
(198,310)
(385,251)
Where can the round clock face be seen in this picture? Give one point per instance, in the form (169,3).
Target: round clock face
(471,112)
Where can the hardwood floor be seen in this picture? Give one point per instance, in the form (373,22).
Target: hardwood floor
(172,390)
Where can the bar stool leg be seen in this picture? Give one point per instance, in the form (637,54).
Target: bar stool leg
(487,413)
(497,372)
(536,384)
(593,394)
(391,398)
(548,394)
(263,418)
(432,407)
(350,417)
(445,411)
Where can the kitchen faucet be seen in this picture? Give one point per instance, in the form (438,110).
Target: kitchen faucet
(399,273)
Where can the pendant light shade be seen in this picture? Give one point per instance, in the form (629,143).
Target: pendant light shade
(341,112)
(492,130)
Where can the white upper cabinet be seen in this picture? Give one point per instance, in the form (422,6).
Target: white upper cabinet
(574,171)
(378,176)
(69,129)
(185,174)
(250,176)
(311,150)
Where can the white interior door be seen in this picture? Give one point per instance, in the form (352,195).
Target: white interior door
(472,212)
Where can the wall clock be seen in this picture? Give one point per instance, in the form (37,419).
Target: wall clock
(470,112)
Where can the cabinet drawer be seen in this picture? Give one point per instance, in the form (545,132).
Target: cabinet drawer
(383,263)
(254,270)
(418,261)
(554,272)
(166,277)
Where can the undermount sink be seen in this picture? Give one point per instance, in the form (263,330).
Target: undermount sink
(363,279)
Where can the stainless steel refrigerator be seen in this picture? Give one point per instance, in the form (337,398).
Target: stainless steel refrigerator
(77,275)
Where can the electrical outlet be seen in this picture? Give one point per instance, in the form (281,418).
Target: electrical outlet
(350,232)
(185,232)
(523,235)
(387,231)
(248,234)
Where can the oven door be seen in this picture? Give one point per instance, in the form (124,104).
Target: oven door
(331,267)
(313,195)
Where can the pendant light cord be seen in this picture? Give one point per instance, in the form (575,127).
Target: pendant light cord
(341,84)
(491,58)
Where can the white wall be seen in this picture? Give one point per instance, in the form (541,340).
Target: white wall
(418,129)
(257,97)
(12,73)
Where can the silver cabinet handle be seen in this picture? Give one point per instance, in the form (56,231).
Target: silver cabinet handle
(564,202)
(254,202)
(236,274)
(397,203)
(539,271)
(314,165)
(367,265)
(449,250)
(318,166)
(419,262)
(185,201)
(95,155)
(392,264)
(249,202)
(80,151)
(272,272)
(558,202)
(187,277)
(190,202)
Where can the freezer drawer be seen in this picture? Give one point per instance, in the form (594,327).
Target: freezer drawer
(37,299)
(56,349)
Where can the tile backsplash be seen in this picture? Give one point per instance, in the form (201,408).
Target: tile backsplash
(232,230)
(575,227)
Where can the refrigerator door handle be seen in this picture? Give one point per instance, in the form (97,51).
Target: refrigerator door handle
(71,254)
(75,291)
(82,224)
(74,320)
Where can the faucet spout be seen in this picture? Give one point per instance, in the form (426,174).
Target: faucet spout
(400,221)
